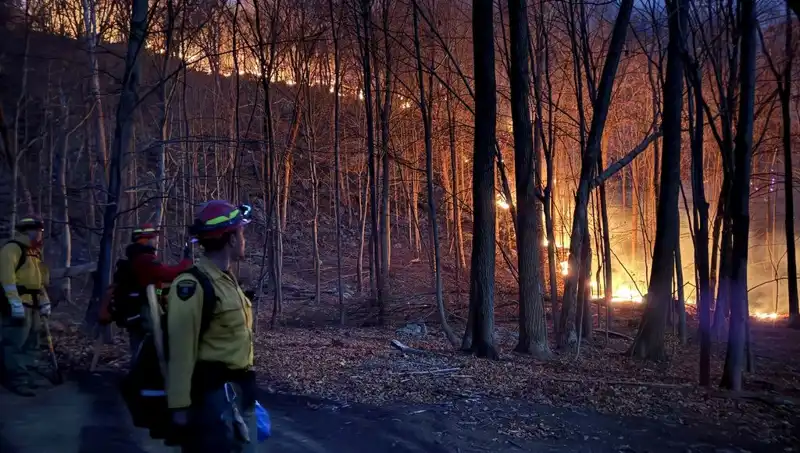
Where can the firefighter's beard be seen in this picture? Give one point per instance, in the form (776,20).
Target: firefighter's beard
(37,240)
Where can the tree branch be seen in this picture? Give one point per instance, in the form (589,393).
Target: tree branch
(621,163)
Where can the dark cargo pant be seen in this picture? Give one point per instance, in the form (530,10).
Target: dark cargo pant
(212,427)
(20,343)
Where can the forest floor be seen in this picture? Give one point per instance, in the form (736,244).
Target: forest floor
(339,389)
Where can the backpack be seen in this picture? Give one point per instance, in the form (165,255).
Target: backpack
(129,297)
(23,258)
(144,390)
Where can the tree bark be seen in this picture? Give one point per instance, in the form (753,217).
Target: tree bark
(704,293)
(427,126)
(123,142)
(366,22)
(337,173)
(532,328)
(568,338)
(785,96)
(649,342)
(480,328)
(735,359)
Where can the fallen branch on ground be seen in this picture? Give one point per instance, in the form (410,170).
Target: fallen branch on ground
(772,400)
(439,371)
(407,349)
(614,334)
(633,383)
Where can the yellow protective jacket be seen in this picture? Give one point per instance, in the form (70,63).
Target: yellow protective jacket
(33,275)
(228,340)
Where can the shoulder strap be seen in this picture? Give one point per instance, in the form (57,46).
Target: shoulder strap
(209,297)
(23,256)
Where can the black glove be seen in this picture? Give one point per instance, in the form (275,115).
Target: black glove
(187,251)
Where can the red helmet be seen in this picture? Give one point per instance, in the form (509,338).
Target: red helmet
(217,217)
(30,222)
(146,231)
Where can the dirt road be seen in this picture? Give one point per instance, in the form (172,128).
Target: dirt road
(85,415)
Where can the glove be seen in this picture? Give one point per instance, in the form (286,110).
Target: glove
(187,251)
(17,309)
(44,309)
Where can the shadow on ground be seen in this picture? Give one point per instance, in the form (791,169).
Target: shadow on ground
(86,415)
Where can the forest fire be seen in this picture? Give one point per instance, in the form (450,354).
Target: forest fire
(621,294)
(766,316)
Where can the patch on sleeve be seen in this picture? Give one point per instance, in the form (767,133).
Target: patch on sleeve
(186,289)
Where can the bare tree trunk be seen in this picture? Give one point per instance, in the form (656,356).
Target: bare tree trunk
(567,337)
(532,328)
(385,115)
(785,96)
(164,101)
(480,327)
(583,318)
(61,183)
(427,126)
(337,157)
(704,293)
(649,342)
(90,23)
(679,284)
(123,141)
(315,211)
(735,359)
(362,237)
(366,40)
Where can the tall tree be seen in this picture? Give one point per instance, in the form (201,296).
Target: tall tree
(740,201)
(365,43)
(649,342)
(337,87)
(784,79)
(427,124)
(479,335)
(532,328)
(567,335)
(122,145)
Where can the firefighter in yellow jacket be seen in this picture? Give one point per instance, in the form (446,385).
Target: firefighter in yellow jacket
(210,381)
(23,277)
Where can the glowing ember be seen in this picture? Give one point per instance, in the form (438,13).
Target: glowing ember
(766,316)
(625,293)
(502,203)
(546,243)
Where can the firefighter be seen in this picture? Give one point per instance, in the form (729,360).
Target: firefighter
(148,270)
(140,269)
(210,381)
(23,277)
